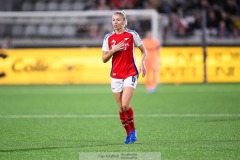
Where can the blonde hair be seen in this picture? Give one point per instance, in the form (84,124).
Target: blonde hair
(123,14)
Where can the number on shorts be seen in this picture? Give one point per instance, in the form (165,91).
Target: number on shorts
(133,79)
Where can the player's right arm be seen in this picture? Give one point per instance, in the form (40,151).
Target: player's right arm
(107,55)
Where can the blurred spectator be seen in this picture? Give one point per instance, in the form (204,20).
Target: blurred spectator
(128,4)
(7,43)
(103,5)
(171,26)
(227,20)
(181,27)
(197,24)
(180,3)
(223,32)
(204,4)
(236,30)
(82,30)
(152,4)
(212,23)
(93,6)
(231,7)
(235,33)
(116,4)
(94,32)
(138,4)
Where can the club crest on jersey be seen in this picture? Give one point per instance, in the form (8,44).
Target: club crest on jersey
(125,46)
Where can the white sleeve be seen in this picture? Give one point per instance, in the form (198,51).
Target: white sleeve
(105,46)
(137,39)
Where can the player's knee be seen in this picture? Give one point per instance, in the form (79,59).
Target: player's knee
(121,109)
(125,107)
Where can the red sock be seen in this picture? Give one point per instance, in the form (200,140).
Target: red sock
(125,124)
(130,116)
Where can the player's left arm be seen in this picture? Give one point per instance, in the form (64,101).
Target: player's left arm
(138,42)
(144,55)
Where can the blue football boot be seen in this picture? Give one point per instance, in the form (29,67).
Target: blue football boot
(133,136)
(127,140)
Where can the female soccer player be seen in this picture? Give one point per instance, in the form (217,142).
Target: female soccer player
(152,46)
(119,45)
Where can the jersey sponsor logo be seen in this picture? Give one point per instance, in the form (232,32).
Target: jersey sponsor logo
(126,39)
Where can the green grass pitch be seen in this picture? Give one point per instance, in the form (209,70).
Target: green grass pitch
(182,122)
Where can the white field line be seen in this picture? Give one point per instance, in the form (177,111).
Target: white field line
(108,91)
(114,116)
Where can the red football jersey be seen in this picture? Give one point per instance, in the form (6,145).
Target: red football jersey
(124,61)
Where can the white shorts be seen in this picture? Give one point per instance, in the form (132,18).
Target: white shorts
(117,85)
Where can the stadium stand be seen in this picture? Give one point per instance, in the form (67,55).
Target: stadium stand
(181,22)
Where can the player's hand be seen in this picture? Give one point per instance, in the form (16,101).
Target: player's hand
(143,70)
(118,47)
